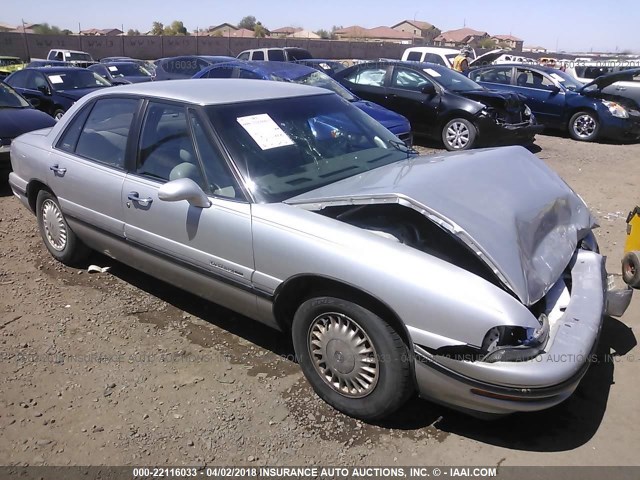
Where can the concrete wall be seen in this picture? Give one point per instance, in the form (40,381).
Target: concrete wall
(151,47)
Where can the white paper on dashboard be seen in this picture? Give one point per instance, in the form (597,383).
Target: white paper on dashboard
(432,72)
(264,131)
(113,69)
(56,79)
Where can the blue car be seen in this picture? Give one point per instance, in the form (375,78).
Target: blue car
(293,72)
(330,67)
(186,66)
(54,89)
(122,73)
(560,102)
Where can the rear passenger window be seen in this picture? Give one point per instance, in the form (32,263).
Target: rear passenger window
(257,56)
(368,76)
(414,56)
(434,58)
(166,150)
(493,75)
(104,135)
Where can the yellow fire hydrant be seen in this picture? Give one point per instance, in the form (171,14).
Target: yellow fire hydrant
(631,259)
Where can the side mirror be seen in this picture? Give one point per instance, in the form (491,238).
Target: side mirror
(428,89)
(555,89)
(45,90)
(184,189)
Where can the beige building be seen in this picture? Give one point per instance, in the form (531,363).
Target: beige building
(423,29)
(460,37)
(378,34)
(509,41)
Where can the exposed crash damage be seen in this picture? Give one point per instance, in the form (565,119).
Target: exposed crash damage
(511,221)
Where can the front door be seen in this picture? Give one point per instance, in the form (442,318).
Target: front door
(205,250)
(405,97)
(544,97)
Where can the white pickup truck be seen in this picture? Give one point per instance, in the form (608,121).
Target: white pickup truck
(75,57)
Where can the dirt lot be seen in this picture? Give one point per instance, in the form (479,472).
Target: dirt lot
(119,368)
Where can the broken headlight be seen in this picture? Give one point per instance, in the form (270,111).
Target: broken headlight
(527,111)
(515,344)
(616,109)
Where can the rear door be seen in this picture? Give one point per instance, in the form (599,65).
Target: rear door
(494,78)
(368,82)
(205,250)
(87,168)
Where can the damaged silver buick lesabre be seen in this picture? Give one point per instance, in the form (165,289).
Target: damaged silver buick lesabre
(473,278)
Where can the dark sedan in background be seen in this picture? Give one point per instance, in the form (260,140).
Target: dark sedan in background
(54,89)
(17,116)
(186,66)
(561,102)
(293,72)
(443,104)
(122,73)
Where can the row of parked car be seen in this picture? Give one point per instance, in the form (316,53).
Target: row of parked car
(491,104)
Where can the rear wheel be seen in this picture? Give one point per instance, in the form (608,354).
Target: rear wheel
(59,239)
(459,134)
(584,126)
(353,359)
(631,269)
(58,113)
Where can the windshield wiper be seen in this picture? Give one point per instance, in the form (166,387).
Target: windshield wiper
(402,147)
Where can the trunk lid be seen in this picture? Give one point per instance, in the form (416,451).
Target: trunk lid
(513,211)
(487,58)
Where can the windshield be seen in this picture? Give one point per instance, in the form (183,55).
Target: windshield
(10,99)
(286,147)
(450,79)
(566,80)
(128,70)
(322,80)
(78,57)
(75,79)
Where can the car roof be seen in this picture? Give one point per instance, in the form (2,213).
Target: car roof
(52,69)
(528,66)
(279,69)
(433,50)
(208,91)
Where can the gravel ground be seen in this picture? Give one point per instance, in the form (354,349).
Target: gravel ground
(118,368)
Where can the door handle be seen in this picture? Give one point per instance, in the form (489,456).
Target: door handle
(621,89)
(57,170)
(143,202)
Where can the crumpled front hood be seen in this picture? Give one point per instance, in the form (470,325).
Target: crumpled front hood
(517,214)
(603,81)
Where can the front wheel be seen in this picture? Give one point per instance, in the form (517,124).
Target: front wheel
(584,126)
(58,114)
(353,359)
(59,239)
(459,134)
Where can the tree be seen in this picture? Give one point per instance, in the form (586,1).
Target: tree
(66,31)
(248,22)
(260,31)
(334,29)
(487,43)
(157,28)
(46,29)
(131,32)
(176,28)
(323,34)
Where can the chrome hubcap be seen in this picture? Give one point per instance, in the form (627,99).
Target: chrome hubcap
(59,115)
(457,135)
(343,355)
(55,229)
(584,126)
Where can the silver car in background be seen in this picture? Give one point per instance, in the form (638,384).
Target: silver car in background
(473,278)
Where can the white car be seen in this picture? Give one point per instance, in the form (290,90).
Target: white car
(587,72)
(445,56)
(510,58)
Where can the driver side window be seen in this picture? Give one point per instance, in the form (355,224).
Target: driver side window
(408,80)
(166,151)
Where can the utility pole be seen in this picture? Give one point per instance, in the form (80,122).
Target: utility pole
(26,42)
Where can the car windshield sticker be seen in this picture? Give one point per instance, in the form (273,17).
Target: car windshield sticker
(56,79)
(432,72)
(325,66)
(264,131)
(557,77)
(113,69)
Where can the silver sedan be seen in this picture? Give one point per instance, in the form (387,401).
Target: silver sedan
(473,278)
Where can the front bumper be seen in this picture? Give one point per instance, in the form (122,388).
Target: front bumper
(491,133)
(5,158)
(506,387)
(623,129)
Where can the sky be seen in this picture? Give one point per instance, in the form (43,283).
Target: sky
(569,25)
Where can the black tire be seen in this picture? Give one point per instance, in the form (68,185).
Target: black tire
(59,239)
(393,375)
(459,134)
(631,269)
(58,113)
(584,126)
